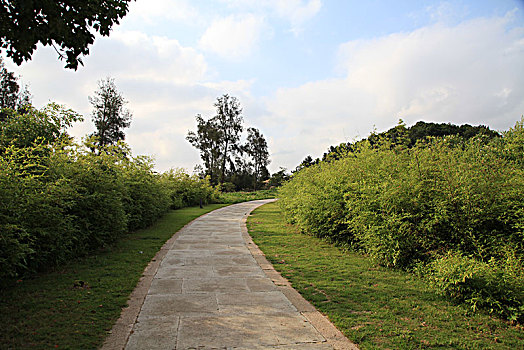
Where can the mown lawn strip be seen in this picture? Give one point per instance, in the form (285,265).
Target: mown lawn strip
(76,305)
(376,308)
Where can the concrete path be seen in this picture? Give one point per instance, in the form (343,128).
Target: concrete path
(214,289)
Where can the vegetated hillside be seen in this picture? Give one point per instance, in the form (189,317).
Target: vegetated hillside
(448,207)
(408,136)
(59,199)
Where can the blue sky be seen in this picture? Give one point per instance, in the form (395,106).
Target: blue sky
(309,73)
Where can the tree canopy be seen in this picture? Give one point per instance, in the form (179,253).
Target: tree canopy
(67,25)
(207,140)
(256,148)
(219,141)
(109,114)
(11,95)
(229,121)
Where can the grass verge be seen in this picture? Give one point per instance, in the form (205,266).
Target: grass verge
(377,308)
(76,305)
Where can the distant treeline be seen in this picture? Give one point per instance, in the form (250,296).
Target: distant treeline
(408,136)
(438,199)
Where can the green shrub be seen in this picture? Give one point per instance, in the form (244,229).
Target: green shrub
(147,198)
(399,205)
(60,200)
(497,287)
(314,200)
(226,187)
(187,190)
(403,206)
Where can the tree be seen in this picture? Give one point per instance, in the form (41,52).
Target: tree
(64,24)
(229,121)
(225,158)
(278,178)
(218,138)
(256,148)
(207,139)
(109,114)
(10,94)
(44,127)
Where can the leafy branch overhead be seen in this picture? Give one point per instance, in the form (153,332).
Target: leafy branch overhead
(67,25)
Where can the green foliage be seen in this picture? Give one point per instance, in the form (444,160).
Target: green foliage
(33,126)
(513,147)
(226,187)
(314,200)
(497,287)
(187,190)
(406,136)
(218,141)
(60,200)
(10,94)
(278,178)
(403,205)
(376,307)
(109,114)
(65,25)
(256,148)
(147,195)
(74,306)
(218,138)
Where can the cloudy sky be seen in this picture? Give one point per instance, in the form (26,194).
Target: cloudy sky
(308,73)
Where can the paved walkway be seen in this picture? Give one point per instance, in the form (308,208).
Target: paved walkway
(214,289)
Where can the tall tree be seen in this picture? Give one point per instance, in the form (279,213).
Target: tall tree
(66,25)
(207,140)
(225,158)
(229,121)
(109,114)
(256,148)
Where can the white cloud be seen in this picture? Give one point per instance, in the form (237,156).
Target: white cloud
(296,12)
(468,73)
(140,56)
(233,37)
(162,80)
(151,12)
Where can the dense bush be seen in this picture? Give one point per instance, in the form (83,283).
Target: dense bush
(59,200)
(187,190)
(496,286)
(314,200)
(405,205)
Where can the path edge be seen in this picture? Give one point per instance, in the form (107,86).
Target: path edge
(321,323)
(119,334)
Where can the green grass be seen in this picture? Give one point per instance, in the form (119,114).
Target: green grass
(375,307)
(237,197)
(76,305)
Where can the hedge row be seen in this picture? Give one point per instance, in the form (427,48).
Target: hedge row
(59,200)
(408,206)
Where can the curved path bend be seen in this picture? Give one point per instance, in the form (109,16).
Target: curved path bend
(210,287)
